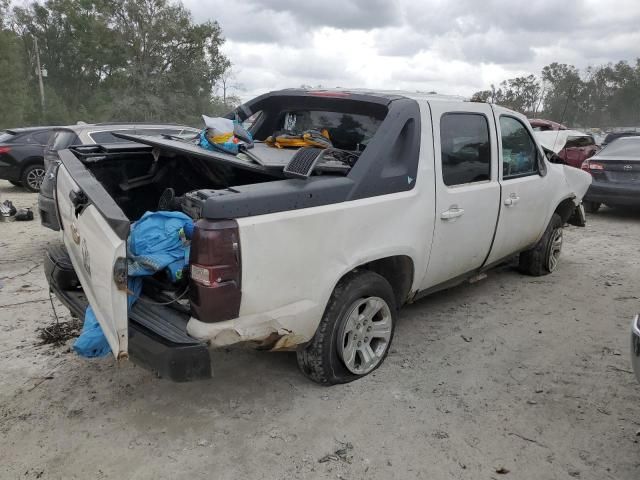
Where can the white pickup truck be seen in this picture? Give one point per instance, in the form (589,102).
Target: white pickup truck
(417,194)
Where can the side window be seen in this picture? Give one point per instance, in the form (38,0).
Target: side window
(466,148)
(519,151)
(41,138)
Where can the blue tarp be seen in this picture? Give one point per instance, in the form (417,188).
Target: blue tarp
(157,241)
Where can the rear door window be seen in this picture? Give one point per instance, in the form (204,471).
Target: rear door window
(41,138)
(465,148)
(519,151)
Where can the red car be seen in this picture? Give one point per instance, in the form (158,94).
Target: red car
(541,125)
(579,147)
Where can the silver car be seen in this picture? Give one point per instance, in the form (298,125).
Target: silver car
(91,134)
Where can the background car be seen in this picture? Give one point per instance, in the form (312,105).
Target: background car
(616,135)
(90,134)
(21,156)
(541,125)
(579,147)
(616,175)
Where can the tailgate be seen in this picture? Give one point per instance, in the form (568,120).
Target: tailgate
(95,233)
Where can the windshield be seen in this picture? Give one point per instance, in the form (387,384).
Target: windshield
(585,141)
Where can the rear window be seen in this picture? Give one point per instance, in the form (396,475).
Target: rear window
(628,148)
(109,137)
(348,131)
(6,137)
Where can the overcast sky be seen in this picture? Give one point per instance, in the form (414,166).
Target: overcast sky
(453,47)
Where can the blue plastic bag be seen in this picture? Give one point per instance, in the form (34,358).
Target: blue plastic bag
(158,240)
(91,343)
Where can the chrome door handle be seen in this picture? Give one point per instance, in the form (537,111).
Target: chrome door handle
(453,213)
(511,200)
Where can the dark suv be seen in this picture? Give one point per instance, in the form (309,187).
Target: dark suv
(90,134)
(21,156)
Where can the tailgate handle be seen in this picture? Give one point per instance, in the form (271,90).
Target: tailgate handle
(79,200)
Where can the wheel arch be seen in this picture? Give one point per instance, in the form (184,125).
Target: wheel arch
(27,162)
(565,209)
(398,270)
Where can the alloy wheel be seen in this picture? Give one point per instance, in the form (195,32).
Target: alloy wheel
(365,335)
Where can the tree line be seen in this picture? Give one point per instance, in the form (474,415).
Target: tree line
(108,60)
(603,96)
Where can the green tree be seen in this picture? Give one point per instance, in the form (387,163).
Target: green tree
(13,93)
(122,60)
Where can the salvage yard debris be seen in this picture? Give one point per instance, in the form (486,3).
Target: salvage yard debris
(341,454)
(59,332)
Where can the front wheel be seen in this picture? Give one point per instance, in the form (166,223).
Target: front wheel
(543,259)
(355,332)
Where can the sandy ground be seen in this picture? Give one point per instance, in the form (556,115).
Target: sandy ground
(540,385)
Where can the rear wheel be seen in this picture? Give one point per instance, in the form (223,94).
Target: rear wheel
(355,332)
(545,256)
(32,177)
(591,207)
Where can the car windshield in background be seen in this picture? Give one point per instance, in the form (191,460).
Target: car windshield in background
(347,131)
(624,148)
(585,141)
(6,136)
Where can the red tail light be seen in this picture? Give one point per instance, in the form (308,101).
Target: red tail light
(591,166)
(4,150)
(215,291)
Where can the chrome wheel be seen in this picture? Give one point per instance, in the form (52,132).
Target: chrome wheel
(365,335)
(554,249)
(35,177)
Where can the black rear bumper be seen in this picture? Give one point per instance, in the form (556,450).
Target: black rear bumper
(615,194)
(157,335)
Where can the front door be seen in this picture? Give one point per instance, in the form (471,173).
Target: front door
(525,189)
(467,190)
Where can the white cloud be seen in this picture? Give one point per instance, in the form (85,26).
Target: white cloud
(450,47)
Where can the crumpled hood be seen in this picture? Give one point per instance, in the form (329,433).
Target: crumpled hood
(577,180)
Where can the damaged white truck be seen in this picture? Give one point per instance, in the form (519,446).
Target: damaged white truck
(312,249)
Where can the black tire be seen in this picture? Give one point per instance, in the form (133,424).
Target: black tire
(540,259)
(591,207)
(32,177)
(17,184)
(320,359)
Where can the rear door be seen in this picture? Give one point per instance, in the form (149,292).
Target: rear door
(95,231)
(467,190)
